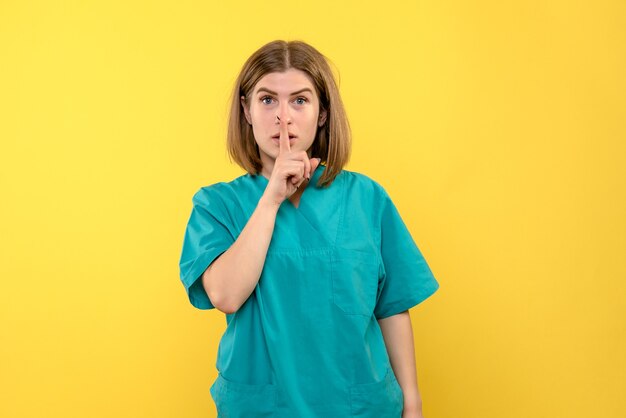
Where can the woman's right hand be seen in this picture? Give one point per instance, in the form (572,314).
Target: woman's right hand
(291,171)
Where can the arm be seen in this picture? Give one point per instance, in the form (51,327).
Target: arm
(398,335)
(230,278)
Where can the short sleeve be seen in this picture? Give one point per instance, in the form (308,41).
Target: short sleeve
(407,279)
(206,237)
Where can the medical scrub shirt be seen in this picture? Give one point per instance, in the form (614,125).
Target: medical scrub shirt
(306,343)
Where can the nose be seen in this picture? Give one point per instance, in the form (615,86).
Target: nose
(283,114)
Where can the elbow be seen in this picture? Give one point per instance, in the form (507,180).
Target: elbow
(217,300)
(222,305)
(227,309)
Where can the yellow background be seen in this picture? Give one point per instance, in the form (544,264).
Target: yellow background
(497,128)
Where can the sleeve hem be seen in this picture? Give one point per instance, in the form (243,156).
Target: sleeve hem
(407,304)
(192,280)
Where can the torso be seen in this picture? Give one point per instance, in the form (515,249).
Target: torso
(306,342)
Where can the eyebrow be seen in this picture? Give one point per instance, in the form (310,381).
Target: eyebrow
(274,93)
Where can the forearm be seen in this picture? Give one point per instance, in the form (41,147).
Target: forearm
(231,278)
(398,335)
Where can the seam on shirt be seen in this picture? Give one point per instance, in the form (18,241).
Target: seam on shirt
(343,210)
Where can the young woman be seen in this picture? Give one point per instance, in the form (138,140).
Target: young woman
(312,264)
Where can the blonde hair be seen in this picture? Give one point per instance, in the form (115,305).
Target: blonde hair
(332,142)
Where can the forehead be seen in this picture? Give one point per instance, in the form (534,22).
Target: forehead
(285,82)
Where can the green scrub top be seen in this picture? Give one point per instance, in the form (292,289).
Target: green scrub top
(306,343)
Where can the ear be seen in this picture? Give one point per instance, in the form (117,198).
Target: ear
(322,117)
(245,110)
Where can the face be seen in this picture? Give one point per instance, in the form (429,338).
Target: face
(291,96)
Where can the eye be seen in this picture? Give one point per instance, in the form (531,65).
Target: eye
(265,97)
(302,98)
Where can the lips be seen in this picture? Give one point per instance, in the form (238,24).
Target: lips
(291,136)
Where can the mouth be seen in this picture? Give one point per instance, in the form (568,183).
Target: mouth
(277,136)
(277,139)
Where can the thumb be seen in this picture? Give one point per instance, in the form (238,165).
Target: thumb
(315,162)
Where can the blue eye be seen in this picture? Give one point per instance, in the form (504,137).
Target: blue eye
(269,97)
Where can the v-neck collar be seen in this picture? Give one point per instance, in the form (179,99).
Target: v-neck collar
(315,222)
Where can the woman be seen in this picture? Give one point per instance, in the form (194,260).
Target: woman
(312,264)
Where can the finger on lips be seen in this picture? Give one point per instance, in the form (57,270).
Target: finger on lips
(285,147)
(284,137)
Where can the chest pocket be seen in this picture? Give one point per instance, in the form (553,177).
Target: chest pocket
(355,281)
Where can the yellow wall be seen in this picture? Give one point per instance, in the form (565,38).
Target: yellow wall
(497,128)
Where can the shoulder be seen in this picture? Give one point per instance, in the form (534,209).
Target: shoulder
(363,183)
(221,193)
(365,193)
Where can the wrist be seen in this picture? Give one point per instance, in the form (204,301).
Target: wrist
(267,203)
(413,403)
(413,406)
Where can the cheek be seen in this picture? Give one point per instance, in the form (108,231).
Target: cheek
(265,119)
(261,122)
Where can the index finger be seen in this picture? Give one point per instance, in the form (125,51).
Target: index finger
(283,140)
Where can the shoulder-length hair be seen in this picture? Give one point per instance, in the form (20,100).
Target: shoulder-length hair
(332,142)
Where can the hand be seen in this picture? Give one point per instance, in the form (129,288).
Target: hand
(291,169)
